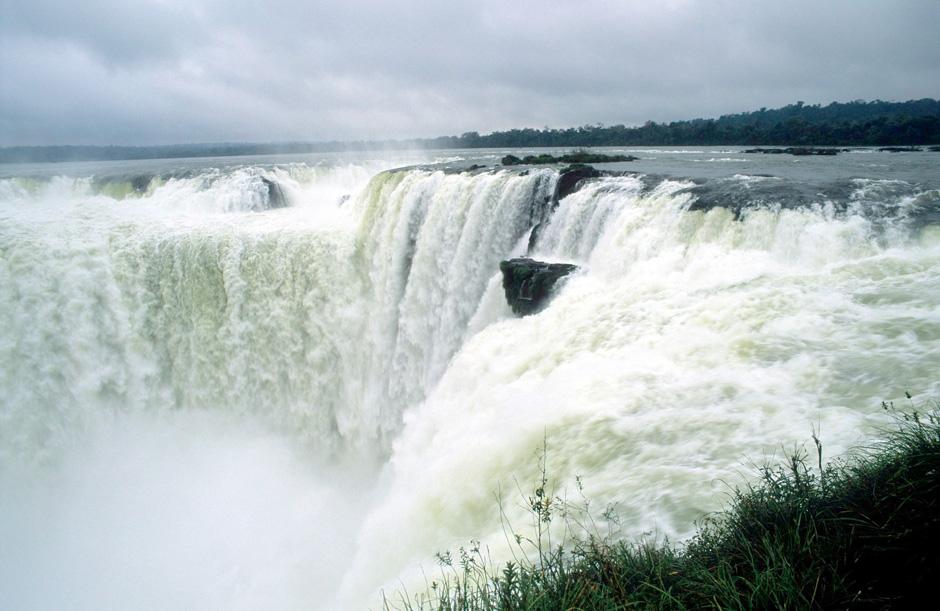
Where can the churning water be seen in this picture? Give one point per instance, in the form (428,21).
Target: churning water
(278,384)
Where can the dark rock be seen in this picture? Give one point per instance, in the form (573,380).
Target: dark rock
(141,183)
(736,196)
(900,149)
(578,157)
(540,159)
(276,197)
(570,177)
(796,150)
(809,150)
(934,149)
(569,181)
(586,157)
(528,283)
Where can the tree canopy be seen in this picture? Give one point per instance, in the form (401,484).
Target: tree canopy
(857,123)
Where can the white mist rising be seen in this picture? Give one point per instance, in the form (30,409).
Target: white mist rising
(190,510)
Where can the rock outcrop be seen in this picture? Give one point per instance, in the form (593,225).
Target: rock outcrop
(569,180)
(576,157)
(276,197)
(528,283)
(141,183)
(570,177)
(796,150)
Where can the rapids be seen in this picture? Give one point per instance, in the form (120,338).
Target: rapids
(209,403)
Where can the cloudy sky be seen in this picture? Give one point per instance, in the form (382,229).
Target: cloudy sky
(169,71)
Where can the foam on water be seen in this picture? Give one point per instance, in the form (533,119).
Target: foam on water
(204,399)
(690,342)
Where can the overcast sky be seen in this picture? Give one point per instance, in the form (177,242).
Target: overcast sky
(171,71)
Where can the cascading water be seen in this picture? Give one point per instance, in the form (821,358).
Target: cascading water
(207,402)
(692,341)
(431,244)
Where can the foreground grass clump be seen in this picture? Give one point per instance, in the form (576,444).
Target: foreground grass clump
(858,535)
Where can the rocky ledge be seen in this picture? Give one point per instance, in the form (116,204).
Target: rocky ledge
(528,283)
(577,157)
(796,150)
(570,180)
(276,197)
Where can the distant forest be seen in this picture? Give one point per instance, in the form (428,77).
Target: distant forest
(858,123)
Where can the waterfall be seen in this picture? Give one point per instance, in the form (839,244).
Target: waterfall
(344,369)
(327,327)
(690,341)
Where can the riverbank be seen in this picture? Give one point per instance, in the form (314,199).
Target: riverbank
(861,534)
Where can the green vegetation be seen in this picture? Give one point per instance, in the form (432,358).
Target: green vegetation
(858,535)
(578,157)
(858,123)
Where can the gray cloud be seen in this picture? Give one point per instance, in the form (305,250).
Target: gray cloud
(210,70)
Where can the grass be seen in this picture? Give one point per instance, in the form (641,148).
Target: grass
(862,534)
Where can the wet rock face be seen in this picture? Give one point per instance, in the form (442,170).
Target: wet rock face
(569,179)
(528,283)
(276,197)
(141,183)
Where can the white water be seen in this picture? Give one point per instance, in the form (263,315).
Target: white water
(205,406)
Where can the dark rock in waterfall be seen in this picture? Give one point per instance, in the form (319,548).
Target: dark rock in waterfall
(141,183)
(569,178)
(472,169)
(117,185)
(528,283)
(900,149)
(276,197)
(737,196)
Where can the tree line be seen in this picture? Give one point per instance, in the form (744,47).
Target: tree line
(857,123)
